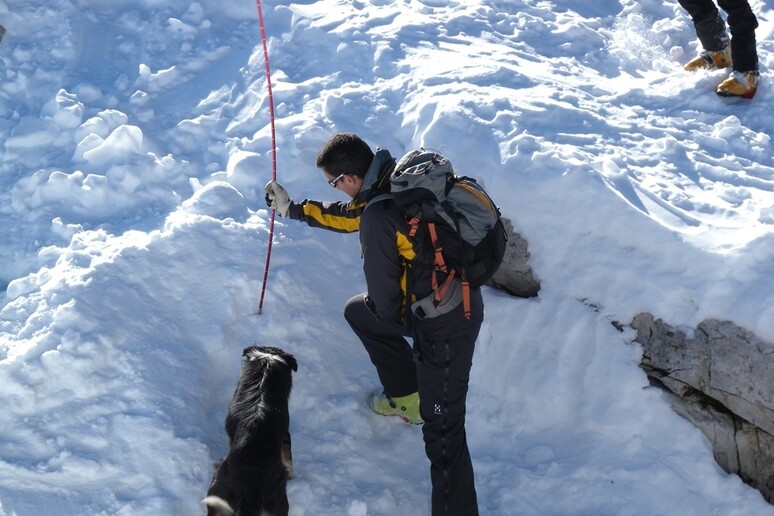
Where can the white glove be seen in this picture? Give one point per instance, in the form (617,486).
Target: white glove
(277,198)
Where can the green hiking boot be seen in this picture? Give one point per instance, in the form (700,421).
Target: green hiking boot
(406,407)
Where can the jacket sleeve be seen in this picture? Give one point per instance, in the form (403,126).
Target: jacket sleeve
(383,267)
(341,217)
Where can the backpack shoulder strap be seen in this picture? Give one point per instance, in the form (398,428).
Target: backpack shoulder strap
(377,198)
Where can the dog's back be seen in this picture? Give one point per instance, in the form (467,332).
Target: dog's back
(252,478)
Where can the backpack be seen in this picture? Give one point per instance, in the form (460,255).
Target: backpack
(462,222)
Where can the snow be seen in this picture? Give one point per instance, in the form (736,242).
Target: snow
(135,145)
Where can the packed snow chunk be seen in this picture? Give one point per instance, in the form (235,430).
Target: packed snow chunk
(247,171)
(194,14)
(727,129)
(63,230)
(143,74)
(35,134)
(219,200)
(766,215)
(45,188)
(89,93)
(101,125)
(189,133)
(119,147)
(179,27)
(96,191)
(163,79)
(129,177)
(88,143)
(27,284)
(64,109)
(139,98)
(154,82)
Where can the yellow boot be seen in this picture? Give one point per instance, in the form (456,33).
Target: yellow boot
(406,407)
(739,84)
(710,60)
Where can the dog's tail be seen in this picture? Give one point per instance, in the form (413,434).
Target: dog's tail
(217,506)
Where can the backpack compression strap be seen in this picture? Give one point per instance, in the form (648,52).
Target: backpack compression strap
(440,264)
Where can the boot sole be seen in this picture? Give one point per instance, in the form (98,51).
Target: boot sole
(747,95)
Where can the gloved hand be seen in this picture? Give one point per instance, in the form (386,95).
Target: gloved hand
(277,198)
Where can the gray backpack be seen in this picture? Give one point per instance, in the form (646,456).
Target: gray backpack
(460,219)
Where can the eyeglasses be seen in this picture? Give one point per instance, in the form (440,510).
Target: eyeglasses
(334,181)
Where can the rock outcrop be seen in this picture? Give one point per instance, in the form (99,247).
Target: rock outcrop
(721,378)
(515,274)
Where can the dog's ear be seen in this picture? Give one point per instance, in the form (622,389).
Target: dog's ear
(291,360)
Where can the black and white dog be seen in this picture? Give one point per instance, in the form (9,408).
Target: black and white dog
(252,479)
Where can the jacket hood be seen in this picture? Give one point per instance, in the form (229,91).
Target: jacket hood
(376,179)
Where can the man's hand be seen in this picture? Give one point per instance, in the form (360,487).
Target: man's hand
(277,198)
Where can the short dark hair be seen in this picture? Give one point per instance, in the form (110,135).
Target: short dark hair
(345,153)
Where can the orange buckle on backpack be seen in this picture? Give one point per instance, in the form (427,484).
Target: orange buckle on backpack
(414,224)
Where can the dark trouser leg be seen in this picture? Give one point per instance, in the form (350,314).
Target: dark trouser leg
(710,27)
(742,23)
(443,370)
(385,343)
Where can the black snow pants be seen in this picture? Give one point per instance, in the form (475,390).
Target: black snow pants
(711,29)
(438,367)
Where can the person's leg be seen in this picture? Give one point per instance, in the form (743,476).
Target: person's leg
(742,23)
(710,27)
(389,351)
(443,370)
